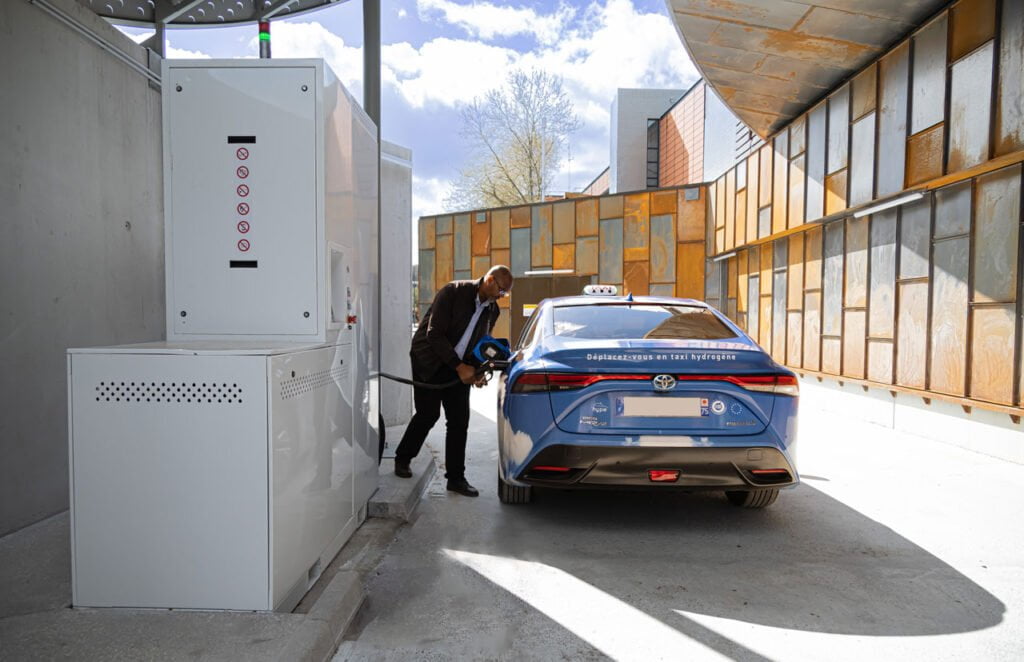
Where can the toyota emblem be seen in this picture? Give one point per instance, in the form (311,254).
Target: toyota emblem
(664,382)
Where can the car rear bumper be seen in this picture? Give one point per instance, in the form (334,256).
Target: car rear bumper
(589,466)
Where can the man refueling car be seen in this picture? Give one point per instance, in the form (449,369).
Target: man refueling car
(451,345)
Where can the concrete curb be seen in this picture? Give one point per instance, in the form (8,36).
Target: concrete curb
(397,498)
(320,634)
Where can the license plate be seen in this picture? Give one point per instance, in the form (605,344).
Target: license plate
(661,407)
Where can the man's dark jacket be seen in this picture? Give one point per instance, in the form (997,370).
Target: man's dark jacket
(441,328)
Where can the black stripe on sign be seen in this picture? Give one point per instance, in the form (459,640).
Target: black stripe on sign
(244,264)
(232,140)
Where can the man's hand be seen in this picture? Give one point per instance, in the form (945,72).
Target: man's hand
(467,373)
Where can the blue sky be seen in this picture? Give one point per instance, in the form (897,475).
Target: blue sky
(440,54)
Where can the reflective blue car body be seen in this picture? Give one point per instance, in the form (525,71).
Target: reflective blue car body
(587,412)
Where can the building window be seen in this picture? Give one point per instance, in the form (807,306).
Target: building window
(652,153)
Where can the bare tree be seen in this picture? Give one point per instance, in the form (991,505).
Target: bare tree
(517,134)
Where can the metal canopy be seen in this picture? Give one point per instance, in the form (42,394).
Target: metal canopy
(770,60)
(185,13)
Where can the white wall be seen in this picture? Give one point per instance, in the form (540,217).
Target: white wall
(630,111)
(396,280)
(81,237)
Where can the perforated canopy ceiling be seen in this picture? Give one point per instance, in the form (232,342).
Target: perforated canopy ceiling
(199,12)
(770,59)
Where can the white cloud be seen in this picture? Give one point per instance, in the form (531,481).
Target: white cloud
(449,72)
(487,21)
(183,54)
(302,39)
(402,13)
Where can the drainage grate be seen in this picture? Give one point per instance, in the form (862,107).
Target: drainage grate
(184,392)
(296,386)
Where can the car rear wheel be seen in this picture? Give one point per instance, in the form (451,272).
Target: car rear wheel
(752,498)
(508,493)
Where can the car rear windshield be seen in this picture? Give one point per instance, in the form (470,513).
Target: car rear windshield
(637,321)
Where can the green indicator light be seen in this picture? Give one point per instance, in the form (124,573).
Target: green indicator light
(264,36)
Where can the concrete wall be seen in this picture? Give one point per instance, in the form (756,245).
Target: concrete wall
(81,239)
(721,150)
(396,280)
(630,111)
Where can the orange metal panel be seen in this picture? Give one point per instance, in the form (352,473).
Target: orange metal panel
(854,323)
(663,249)
(586,256)
(838,129)
(882,285)
(794,338)
(730,209)
(719,198)
(812,262)
(996,226)
(690,271)
(521,217)
(1009,110)
(501,256)
(636,278)
(812,330)
(765,176)
(610,206)
(480,265)
(444,270)
(795,281)
(540,236)
(779,183)
(835,192)
(974,23)
(732,276)
(742,295)
(426,233)
(796,191)
(741,218)
(912,335)
(692,216)
(864,92)
(924,155)
(993,332)
(880,360)
(798,136)
(501,326)
(831,355)
(564,256)
(970,109)
(766,270)
(949,316)
(499,229)
(636,227)
(765,321)
(663,202)
(752,194)
(857,262)
(586,218)
(481,236)
(564,222)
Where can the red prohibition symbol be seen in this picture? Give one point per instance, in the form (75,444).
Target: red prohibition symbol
(243,208)
(242,190)
(243,245)
(243,226)
(242,172)
(242,153)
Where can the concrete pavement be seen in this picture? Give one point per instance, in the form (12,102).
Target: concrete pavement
(893,547)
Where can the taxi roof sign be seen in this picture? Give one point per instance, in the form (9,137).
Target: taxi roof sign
(601,290)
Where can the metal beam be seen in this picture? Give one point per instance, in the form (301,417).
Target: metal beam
(274,9)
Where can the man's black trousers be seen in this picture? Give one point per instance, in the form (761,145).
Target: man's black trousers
(428,402)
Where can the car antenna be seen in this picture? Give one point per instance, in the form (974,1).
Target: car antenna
(629,297)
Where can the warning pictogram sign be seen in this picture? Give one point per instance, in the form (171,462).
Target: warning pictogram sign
(243,245)
(243,208)
(242,153)
(242,172)
(243,226)
(242,190)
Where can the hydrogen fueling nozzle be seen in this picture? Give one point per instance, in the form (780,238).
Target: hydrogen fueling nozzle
(490,353)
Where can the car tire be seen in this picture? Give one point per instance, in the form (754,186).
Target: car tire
(508,493)
(752,498)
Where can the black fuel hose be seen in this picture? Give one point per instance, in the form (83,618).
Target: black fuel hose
(485,369)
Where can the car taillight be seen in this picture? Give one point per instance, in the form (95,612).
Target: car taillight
(532,382)
(777,384)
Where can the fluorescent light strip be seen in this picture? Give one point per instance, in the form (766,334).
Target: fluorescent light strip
(548,272)
(895,202)
(724,257)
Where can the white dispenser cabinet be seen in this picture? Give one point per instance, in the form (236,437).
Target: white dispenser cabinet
(225,467)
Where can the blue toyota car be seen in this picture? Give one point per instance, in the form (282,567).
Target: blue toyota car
(605,391)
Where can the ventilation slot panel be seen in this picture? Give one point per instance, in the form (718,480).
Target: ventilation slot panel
(296,386)
(195,393)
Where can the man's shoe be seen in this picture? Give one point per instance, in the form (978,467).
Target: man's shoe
(402,469)
(463,487)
